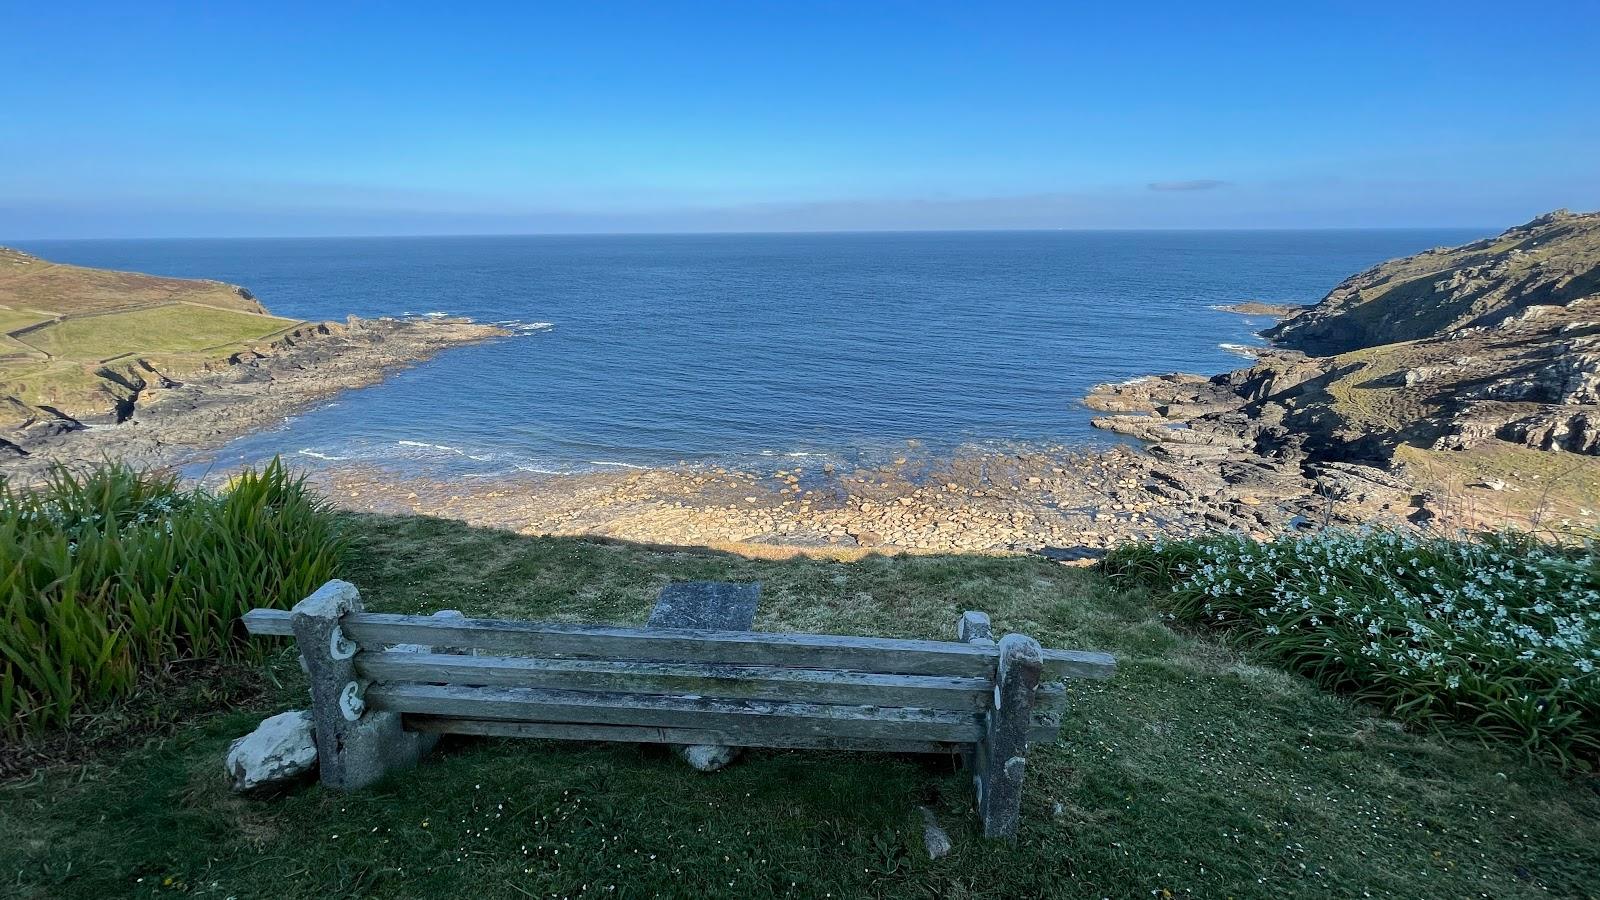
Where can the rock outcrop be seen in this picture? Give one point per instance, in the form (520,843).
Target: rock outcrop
(1448,350)
(1546,265)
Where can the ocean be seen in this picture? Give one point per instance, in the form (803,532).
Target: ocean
(647,350)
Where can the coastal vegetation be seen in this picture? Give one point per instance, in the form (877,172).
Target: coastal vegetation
(110,575)
(1499,634)
(1201,769)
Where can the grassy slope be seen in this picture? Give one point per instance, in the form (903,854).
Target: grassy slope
(173,328)
(1544,488)
(1194,771)
(188,323)
(13,318)
(30,282)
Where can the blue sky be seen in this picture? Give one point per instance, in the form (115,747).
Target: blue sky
(155,119)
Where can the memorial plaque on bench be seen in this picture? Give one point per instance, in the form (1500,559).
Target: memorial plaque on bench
(712,605)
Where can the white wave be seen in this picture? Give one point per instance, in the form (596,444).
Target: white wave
(620,465)
(1244,350)
(456,450)
(520,327)
(306,451)
(535,469)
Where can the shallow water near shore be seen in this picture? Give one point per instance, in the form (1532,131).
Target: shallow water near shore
(642,351)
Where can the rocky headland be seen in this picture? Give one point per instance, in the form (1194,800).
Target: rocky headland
(1464,375)
(97,364)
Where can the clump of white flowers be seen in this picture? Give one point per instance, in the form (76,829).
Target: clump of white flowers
(1500,631)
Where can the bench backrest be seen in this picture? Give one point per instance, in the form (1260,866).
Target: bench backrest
(737,688)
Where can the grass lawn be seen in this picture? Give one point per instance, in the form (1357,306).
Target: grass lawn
(1195,772)
(13,318)
(173,328)
(52,382)
(10,346)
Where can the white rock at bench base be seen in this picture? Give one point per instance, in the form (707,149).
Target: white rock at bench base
(707,757)
(281,748)
(934,840)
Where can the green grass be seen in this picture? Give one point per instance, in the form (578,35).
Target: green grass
(109,575)
(1196,771)
(173,328)
(1499,634)
(10,346)
(56,383)
(11,318)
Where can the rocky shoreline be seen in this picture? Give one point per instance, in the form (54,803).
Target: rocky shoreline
(1448,383)
(169,419)
(1500,372)
(1069,504)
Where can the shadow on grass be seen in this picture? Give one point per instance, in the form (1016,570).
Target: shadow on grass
(1193,771)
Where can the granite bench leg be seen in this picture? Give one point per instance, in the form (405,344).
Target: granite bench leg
(355,746)
(1001,756)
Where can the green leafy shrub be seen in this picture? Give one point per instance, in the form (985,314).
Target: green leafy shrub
(1499,633)
(110,573)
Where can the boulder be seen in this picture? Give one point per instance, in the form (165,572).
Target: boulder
(934,838)
(707,757)
(280,750)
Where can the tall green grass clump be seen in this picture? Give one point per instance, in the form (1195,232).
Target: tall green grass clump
(1499,633)
(110,573)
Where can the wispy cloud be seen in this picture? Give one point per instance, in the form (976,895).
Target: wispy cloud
(1195,184)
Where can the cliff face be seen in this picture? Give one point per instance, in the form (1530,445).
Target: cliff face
(1462,359)
(1552,261)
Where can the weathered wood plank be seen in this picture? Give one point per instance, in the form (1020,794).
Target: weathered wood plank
(861,654)
(732,647)
(1078,664)
(816,651)
(645,734)
(751,717)
(268,622)
(726,681)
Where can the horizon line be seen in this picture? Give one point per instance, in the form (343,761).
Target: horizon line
(754,233)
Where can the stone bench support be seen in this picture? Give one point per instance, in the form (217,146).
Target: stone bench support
(355,746)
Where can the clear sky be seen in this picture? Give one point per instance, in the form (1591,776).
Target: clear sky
(220,119)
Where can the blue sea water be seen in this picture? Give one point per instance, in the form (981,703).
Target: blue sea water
(648,350)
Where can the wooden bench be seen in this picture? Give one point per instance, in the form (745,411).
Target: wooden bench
(384,686)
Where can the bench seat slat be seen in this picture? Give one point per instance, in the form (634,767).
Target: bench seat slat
(812,651)
(750,717)
(730,647)
(645,734)
(264,622)
(725,681)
